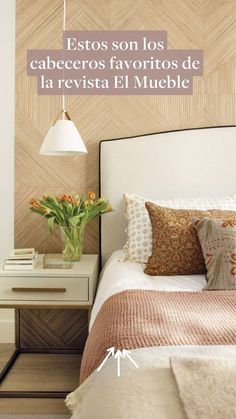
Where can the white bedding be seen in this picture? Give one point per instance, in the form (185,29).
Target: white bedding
(150,391)
(119,276)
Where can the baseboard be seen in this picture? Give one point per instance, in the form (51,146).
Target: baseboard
(7,331)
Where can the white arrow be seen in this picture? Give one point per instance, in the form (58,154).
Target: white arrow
(111,352)
(118,355)
(126,354)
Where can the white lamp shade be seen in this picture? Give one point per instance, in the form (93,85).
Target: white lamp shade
(63,139)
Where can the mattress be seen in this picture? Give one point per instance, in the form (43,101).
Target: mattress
(119,276)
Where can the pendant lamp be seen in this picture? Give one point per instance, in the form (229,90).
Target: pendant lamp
(63,138)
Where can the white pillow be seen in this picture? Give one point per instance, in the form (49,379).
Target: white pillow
(139,232)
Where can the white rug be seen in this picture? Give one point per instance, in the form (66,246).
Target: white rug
(206,386)
(35,416)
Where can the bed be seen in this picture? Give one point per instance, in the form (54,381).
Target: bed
(150,337)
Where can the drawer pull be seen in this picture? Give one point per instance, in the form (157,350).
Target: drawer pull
(21,289)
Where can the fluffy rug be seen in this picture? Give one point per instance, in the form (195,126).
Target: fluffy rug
(34,416)
(206,386)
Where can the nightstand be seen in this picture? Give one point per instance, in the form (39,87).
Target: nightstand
(52,309)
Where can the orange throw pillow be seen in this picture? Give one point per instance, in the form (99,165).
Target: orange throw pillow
(176,249)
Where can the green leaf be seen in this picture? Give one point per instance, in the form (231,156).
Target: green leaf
(77,209)
(73,221)
(51,224)
(58,212)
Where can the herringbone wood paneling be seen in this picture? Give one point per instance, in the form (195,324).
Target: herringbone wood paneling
(57,329)
(207,24)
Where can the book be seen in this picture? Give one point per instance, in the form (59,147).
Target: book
(19,265)
(22,254)
(19,261)
(18,252)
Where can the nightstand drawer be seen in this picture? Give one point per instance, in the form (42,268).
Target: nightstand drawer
(44,289)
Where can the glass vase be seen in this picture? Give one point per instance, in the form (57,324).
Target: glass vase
(73,241)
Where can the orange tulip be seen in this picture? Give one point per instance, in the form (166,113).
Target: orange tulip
(91,195)
(35,204)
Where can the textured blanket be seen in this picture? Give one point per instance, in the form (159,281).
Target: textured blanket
(144,318)
(206,386)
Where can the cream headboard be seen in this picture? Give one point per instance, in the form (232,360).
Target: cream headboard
(186,163)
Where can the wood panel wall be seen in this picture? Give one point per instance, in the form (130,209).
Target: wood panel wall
(206,24)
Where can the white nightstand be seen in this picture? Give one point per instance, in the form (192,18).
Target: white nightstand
(64,288)
(60,290)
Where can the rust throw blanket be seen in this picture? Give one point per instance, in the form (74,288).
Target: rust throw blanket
(142,318)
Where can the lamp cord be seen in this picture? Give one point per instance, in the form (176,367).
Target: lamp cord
(64,28)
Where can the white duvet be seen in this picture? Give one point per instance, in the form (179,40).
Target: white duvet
(150,391)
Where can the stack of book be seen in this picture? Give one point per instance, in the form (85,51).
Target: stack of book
(21,259)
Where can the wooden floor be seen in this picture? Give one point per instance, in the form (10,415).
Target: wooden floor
(38,372)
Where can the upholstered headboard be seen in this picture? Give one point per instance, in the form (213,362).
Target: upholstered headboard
(185,163)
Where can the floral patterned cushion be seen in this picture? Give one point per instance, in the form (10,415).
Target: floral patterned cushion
(138,246)
(218,242)
(176,249)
